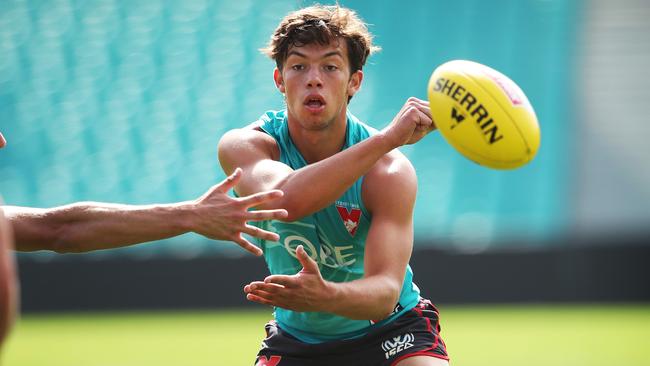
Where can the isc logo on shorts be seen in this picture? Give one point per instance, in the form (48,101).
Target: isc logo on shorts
(398,344)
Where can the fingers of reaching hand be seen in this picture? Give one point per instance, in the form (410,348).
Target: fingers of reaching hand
(242,242)
(228,183)
(260,215)
(261,197)
(259,233)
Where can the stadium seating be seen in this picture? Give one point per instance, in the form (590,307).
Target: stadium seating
(121,101)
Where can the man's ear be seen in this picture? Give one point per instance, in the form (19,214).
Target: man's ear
(355,83)
(279,82)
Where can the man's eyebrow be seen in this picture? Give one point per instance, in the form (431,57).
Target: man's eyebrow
(329,54)
(294,52)
(333,53)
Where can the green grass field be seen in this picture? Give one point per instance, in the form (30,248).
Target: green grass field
(475,336)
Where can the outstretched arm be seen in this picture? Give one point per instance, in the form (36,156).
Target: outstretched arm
(8,284)
(257,154)
(87,226)
(389,193)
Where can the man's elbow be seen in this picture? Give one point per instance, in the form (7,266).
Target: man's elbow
(387,301)
(295,210)
(393,290)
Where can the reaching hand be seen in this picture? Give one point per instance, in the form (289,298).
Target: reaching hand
(219,216)
(411,124)
(304,291)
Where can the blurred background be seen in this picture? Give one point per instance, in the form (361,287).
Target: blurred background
(125,101)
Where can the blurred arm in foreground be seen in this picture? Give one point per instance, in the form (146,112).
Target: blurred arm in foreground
(8,283)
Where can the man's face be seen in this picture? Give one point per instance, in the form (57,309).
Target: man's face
(316,82)
(3,142)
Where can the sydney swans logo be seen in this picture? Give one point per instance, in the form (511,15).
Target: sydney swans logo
(350,218)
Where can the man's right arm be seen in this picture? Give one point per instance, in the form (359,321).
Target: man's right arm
(308,189)
(316,185)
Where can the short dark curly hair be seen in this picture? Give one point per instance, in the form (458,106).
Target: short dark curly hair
(322,24)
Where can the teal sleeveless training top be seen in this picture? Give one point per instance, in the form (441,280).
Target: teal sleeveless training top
(334,237)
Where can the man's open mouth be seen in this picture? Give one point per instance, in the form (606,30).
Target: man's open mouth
(314,102)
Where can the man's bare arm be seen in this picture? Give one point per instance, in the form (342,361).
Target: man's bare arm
(8,281)
(330,177)
(87,226)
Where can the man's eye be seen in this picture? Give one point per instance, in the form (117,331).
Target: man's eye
(297,67)
(331,68)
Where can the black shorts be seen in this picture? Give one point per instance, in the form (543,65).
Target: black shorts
(416,333)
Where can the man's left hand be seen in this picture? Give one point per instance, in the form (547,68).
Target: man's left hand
(304,291)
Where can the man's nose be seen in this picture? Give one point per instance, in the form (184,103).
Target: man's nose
(314,78)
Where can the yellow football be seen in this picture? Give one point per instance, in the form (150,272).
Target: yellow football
(483,114)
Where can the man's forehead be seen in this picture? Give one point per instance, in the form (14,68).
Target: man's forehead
(315,49)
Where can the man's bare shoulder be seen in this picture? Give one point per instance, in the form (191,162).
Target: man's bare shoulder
(249,134)
(246,140)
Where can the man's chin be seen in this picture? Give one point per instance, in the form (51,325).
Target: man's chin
(315,123)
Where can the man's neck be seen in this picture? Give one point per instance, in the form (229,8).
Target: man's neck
(316,145)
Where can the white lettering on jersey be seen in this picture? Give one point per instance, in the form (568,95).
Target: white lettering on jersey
(333,256)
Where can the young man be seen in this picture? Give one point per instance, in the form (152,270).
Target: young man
(340,279)
(87,226)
